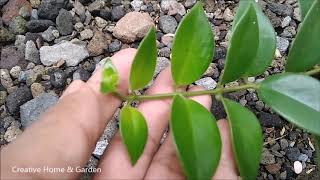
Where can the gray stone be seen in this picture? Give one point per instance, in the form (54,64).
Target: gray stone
(280,9)
(71,53)
(101,23)
(176,8)
(17,98)
(117,13)
(284,144)
(303,157)
(86,34)
(34,14)
(282,44)
(293,154)
(6,35)
(12,132)
(136,4)
(6,80)
(96,5)
(164,52)
(20,42)
(286,21)
(190,3)
(270,120)
(3,96)
(207,83)
(6,122)
(168,24)
(31,110)
(132,26)
(267,157)
(58,79)
(107,135)
(18,25)
(32,53)
(64,22)
(167,4)
(81,74)
(49,9)
(162,63)
(100,148)
(47,35)
(39,25)
(114,46)
(297,14)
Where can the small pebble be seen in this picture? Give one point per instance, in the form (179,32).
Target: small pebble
(297,166)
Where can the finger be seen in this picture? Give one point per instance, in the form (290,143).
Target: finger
(109,103)
(115,160)
(72,88)
(226,168)
(67,133)
(165,164)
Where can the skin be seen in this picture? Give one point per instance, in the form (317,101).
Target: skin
(67,133)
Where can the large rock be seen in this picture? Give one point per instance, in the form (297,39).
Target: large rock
(97,44)
(71,53)
(64,22)
(39,25)
(17,98)
(31,110)
(49,9)
(132,26)
(10,57)
(11,9)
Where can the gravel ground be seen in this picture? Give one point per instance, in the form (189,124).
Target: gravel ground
(46,44)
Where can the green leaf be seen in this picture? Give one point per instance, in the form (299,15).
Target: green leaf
(304,53)
(243,46)
(304,7)
(193,46)
(267,45)
(109,78)
(246,137)
(144,62)
(134,132)
(196,137)
(295,97)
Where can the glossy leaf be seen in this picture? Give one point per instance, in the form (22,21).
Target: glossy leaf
(134,132)
(109,78)
(304,53)
(295,97)
(267,45)
(193,46)
(243,46)
(246,136)
(144,62)
(305,5)
(196,137)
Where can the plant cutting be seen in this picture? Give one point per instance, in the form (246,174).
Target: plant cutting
(250,52)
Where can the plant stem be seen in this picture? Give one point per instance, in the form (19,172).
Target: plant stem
(219,90)
(194,93)
(316,70)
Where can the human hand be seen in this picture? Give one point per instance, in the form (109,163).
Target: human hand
(67,133)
